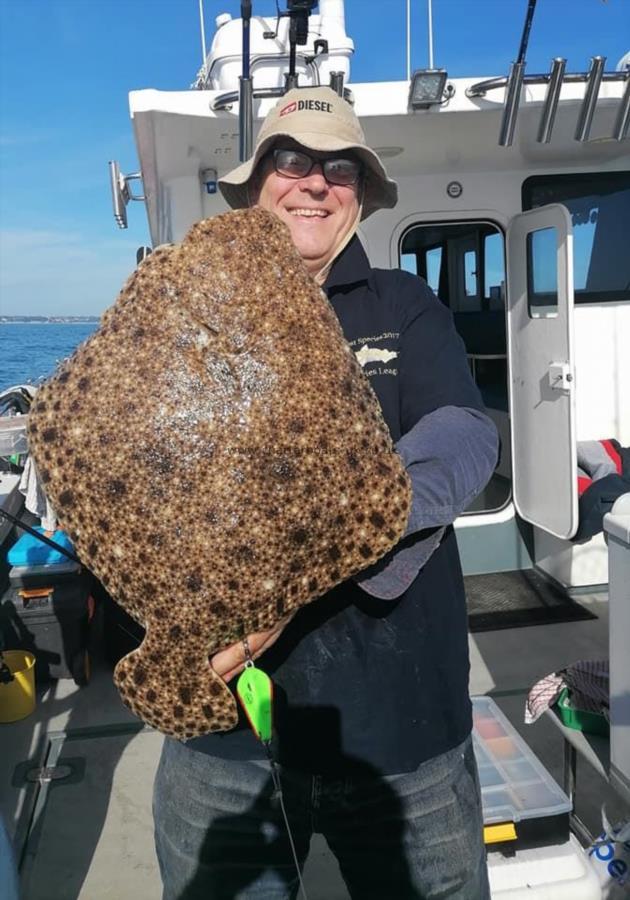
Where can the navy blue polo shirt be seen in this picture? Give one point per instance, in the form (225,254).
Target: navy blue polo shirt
(362,682)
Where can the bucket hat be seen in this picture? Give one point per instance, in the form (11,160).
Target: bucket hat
(318,119)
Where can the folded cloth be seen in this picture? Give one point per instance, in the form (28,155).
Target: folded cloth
(603,476)
(35,500)
(597,459)
(588,682)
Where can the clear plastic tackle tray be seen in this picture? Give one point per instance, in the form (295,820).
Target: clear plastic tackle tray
(514,783)
(13,435)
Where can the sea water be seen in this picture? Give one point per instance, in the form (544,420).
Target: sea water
(30,352)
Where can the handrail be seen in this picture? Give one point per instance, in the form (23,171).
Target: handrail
(223,101)
(307,61)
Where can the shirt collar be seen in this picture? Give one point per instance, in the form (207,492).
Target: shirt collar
(350,267)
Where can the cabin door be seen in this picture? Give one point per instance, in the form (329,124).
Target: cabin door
(541,368)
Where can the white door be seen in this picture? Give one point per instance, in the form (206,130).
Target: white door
(541,368)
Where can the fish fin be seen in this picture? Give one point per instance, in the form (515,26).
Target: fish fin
(181,696)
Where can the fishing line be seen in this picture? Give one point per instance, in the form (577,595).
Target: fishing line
(254,689)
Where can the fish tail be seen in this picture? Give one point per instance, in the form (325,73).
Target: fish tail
(181,696)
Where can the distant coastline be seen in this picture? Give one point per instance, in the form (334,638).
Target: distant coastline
(48,320)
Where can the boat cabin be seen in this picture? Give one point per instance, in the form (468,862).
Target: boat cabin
(517,214)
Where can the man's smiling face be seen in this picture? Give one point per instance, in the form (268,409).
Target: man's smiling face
(319,214)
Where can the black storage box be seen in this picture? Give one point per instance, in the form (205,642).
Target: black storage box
(41,576)
(121,633)
(54,627)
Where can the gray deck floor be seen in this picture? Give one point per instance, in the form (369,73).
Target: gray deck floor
(94,838)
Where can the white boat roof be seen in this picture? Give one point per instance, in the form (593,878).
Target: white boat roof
(178,133)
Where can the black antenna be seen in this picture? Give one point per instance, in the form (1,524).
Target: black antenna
(298,12)
(245,108)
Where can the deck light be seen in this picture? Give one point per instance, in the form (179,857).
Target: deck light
(427,88)
(121,192)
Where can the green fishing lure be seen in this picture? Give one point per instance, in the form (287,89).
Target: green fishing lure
(255,691)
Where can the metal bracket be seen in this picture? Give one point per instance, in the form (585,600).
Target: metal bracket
(121,192)
(560,376)
(46,774)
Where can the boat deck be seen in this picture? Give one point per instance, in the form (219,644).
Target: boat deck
(90,834)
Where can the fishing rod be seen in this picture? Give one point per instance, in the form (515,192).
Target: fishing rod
(245,108)
(529,16)
(515,83)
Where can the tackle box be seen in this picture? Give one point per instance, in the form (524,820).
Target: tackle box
(52,622)
(522,804)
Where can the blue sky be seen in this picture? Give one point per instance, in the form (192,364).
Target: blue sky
(66,67)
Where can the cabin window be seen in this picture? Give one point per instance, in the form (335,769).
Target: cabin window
(599,205)
(470,273)
(433,261)
(494,270)
(409,263)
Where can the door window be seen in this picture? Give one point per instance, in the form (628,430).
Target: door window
(542,273)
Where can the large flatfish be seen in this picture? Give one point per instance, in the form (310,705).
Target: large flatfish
(218,458)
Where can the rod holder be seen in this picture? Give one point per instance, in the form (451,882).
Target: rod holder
(246,118)
(510,106)
(551,100)
(336,82)
(587,110)
(622,122)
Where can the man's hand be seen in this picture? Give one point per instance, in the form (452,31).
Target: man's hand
(229,662)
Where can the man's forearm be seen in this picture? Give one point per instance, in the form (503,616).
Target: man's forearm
(450,456)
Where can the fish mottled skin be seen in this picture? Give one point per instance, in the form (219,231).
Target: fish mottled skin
(218,458)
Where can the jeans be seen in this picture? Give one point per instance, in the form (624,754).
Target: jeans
(8,871)
(220,835)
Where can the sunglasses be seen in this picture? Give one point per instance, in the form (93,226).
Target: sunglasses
(343,170)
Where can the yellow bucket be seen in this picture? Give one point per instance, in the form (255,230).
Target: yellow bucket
(17,698)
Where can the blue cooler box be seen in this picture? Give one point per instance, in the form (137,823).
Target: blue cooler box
(35,564)
(28,551)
